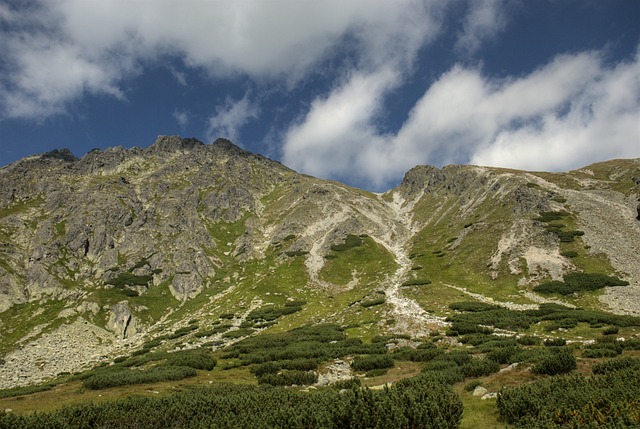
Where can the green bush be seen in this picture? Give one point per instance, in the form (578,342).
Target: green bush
(579,282)
(619,364)
(271,313)
(529,340)
(603,347)
(502,355)
(372,302)
(555,342)
(604,400)
(412,403)
(25,390)
(376,372)
(181,332)
(124,376)
(480,367)
(288,378)
(560,361)
(551,216)
(197,359)
(368,363)
(349,242)
(417,282)
(129,279)
(349,383)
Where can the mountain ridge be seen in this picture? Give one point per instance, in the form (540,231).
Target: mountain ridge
(132,243)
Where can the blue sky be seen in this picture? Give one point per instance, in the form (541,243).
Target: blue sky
(357,91)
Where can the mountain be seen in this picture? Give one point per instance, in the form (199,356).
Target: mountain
(103,254)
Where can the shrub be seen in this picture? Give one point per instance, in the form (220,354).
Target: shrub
(411,403)
(376,372)
(551,216)
(578,282)
(349,383)
(480,367)
(503,354)
(603,347)
(529,340)
(271,313)
(604,400)
(373,302)
(560,361)
(181,332)
(367,363)
(25,390)
(417,282)
(129,279)
(612,330)
(349,242)
(472,306)
(124,376)
(289,378)
(555,342)
(618,364)
(197,359)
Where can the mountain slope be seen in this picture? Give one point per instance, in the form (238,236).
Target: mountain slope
(103,253)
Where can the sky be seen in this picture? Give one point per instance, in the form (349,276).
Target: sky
(358,91)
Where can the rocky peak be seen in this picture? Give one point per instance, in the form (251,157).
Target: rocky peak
(174,143)
(62,154)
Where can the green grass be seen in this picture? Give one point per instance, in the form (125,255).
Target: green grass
(21,206)
(22,319)
(370,260)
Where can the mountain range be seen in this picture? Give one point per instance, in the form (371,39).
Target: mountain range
(102,254)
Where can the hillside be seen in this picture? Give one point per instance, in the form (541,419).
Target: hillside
(184,245)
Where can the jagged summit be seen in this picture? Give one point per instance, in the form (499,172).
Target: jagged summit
(174,143)
(63,154)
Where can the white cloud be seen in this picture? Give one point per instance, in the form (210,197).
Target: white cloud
(564,115)
(338,133)
(59,51)
(485,19)
(181,117)
(230,117)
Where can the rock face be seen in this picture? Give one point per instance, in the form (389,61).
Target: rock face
(123,239)
(121,322)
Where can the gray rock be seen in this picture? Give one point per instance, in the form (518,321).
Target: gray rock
(480,391)
(121,321)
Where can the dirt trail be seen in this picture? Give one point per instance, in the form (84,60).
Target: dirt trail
(409,315)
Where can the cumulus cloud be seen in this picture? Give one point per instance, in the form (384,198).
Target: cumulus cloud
(338,132)
(574,109)
(230,117)
(56,52)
